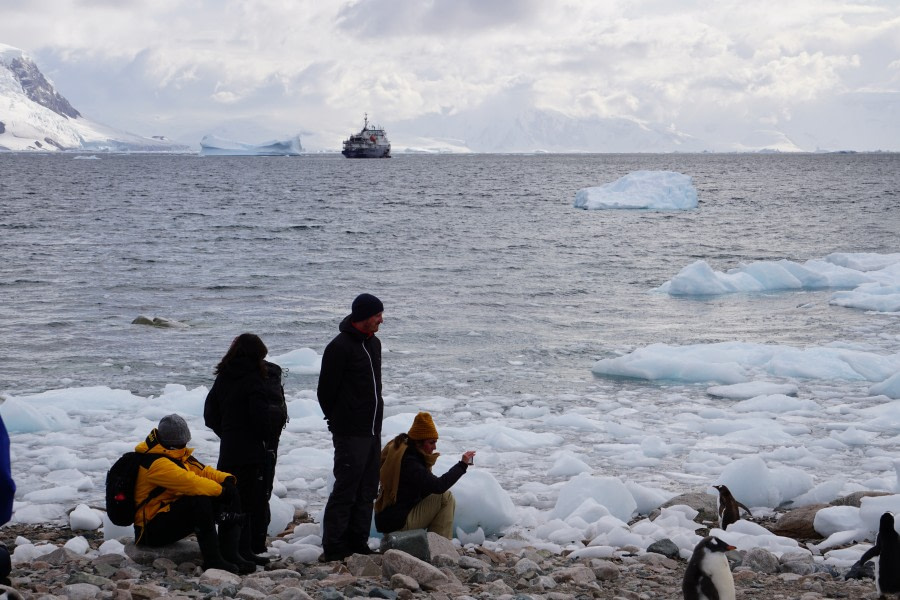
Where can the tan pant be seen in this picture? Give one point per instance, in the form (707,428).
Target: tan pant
(434,513)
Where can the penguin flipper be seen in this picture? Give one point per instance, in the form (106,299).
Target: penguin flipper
(745,508)
(708,588)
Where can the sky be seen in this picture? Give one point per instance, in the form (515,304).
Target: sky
(824,73)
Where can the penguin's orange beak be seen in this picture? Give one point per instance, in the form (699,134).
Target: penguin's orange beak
(730,547)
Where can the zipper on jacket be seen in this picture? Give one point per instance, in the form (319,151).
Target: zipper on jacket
(374,385)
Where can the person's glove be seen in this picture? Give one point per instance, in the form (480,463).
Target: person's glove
(229,492)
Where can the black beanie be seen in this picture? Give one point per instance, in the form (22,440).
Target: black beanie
(365,306)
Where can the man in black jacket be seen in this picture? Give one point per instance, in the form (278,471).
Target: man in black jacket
(349,393)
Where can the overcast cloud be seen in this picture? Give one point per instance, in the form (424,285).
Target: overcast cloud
(824,72)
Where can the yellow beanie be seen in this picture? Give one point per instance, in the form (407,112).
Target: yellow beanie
(423,428)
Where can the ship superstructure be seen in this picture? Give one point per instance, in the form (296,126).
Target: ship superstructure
(371,142)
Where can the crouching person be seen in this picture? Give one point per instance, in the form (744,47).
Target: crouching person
(177,495)
(410,496)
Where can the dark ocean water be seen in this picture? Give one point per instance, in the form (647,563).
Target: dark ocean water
(491,280)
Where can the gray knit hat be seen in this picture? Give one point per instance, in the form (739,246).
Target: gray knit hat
(173,432)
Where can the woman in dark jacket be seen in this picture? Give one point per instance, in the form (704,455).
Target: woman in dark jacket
(411,497)
(247,410)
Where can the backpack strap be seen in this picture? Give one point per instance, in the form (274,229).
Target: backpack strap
(146,461)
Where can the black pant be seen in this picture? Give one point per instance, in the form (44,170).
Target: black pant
(254,483)
(348,513)
(187,515)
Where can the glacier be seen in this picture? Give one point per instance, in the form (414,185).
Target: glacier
(36,117)
(212,145)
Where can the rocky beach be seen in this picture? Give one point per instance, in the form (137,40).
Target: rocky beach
(450,572)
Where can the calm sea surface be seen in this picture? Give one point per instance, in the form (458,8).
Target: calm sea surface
(492,282)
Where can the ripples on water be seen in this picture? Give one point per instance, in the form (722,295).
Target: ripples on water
(489,277)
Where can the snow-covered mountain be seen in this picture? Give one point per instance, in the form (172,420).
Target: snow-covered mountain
(527,129)
(34,116)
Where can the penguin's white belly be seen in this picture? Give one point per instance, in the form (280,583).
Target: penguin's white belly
(715,566)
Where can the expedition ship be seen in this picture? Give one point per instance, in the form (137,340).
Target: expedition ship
(371,142)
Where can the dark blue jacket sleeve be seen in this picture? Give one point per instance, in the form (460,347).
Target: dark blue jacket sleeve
(7,485)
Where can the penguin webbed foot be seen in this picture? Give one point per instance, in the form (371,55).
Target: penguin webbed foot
(861,571)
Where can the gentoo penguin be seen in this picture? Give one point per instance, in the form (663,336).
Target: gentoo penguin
(708,576)
(729,507)
(887,549)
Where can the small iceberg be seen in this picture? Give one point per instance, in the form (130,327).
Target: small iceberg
(211,145)
(656,190)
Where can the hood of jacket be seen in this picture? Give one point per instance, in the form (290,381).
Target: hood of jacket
(151,445)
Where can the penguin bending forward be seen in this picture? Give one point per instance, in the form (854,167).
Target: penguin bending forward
(729,508)
(887,549)
(708,575)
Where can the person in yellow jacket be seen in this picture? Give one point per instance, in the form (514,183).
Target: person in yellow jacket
(177,495)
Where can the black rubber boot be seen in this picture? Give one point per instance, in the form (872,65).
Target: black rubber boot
(212,557)
(245,548)
(229,540)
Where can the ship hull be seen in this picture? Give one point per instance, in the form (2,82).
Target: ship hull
(367,152)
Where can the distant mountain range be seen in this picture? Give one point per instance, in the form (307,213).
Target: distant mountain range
(34,116)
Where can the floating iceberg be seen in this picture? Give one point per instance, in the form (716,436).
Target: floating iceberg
(211,145)
(873,280)
(659,190)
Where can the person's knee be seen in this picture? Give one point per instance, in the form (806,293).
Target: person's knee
(447,499)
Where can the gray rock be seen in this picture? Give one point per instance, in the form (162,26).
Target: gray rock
(382,593)
(219,578)
(438,545)
(760,560)
(61,556)
(82,577)
(293,593)
(179,552)
(579,575)
(249,593)
(399,581)
(81,591)
(426,575)
(470,562)
(362,565)
(666,547)
(605,570)
(657,560)
(702,502)
(413,542)
(497,588)
(798,567)
(527,568)
(855,498)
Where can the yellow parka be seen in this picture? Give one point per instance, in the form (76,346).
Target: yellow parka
(195,479)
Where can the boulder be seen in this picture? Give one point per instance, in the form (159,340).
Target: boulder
(413,542)
(397,562)
(438,545)
(855,498)
(798,523)
(666,547)
(179,552)
(703,503)
(760,560)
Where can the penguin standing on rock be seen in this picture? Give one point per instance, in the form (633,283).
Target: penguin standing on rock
(708,575)
(887,567)
(729,507)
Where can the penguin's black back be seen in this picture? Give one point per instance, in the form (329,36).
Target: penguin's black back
(889,556)
(695,581)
